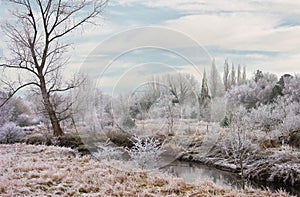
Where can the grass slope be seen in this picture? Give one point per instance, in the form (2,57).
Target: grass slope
(28,170)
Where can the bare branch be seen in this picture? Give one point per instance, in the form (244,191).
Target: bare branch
(74,84)
(18,67)
(14,91)
(97,10)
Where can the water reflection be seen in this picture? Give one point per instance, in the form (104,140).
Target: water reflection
(193,172)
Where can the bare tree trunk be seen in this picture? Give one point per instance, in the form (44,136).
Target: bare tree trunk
(57,131)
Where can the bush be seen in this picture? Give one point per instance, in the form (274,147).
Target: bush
(145,152)
(108,152)
(127,123)
(11,133)
(23,120)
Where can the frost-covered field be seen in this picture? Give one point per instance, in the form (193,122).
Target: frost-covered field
(28,170)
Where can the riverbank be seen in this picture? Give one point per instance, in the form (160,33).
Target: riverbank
(280,165)
(29,170)
(272,166)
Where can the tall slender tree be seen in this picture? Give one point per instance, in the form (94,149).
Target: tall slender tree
(226,75)
(204,99)
(232,76)
(244,75)
(215,83)
(204,87)
(239,75)
(38,52)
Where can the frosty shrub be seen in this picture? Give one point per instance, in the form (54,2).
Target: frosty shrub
(107,152)
(290,123)
(167,109)
(237,146)
(10,133)
(127,122)
(23,120)
(264,118)
(145,152)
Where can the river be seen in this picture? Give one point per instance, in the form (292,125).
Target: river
(192,172)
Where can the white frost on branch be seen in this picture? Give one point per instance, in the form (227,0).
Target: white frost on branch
(145,152)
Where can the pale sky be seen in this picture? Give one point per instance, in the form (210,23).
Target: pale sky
(261,35)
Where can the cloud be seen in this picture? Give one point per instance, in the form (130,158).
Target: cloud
(267,27)
(253,33)
(239,31)
(245,31)
(215,6)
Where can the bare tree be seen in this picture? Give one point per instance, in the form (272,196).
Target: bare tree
(181,85)
(37,49)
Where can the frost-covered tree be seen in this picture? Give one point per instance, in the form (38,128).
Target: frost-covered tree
(103,108)
(258,75)
(204,99)
(182,86)
(10,133)
(5,115)
(256,92)
(237,145)
(226,80)
(168,109)
(292,87)
(150,93)
(264,118)
(5,112)
(216,86)
(16,110)
(217,109)
(279,86)
(287,111)
(189,111)
(244,78)
(204,87)
(232,76)
(121,111)
(239,75)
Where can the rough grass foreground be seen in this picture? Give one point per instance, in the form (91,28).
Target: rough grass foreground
(27,170)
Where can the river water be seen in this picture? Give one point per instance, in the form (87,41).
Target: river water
(192,172)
